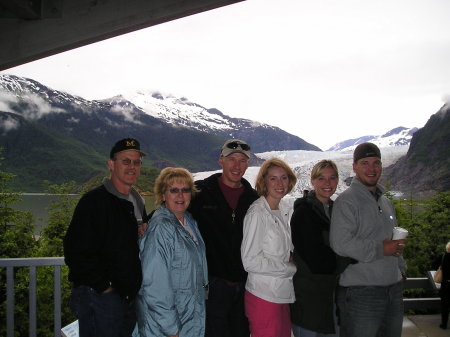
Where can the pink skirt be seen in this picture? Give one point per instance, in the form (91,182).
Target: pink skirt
(267,319)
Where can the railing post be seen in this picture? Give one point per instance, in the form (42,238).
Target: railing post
(32,295)
(10,301)
(57,310)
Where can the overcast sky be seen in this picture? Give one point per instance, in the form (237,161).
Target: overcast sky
(324,70)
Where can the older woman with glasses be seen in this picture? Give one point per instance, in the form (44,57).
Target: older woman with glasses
(171,301)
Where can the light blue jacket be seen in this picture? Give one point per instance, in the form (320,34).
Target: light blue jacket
(172,296)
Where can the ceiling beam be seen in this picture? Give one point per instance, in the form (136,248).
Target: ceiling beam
(64,25)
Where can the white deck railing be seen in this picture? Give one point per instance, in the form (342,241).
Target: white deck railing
(32,263)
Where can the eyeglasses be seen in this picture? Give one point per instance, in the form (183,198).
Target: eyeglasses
(176,190)
(127,162)
(235,145)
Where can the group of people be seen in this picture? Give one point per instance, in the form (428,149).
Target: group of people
(219,258)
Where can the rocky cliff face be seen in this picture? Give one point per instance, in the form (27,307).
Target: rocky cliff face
(425,169)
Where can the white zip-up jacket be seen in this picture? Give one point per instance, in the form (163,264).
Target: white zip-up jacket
(266,252)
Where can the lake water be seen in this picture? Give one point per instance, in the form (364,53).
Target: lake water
(37,204)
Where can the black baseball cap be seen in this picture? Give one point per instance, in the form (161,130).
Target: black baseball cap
(365,150)
(126,144)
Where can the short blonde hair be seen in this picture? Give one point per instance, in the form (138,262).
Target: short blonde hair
(168,176)
(447,247)
(322,165)
(261,187)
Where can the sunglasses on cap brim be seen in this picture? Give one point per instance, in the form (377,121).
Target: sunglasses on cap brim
(235,145)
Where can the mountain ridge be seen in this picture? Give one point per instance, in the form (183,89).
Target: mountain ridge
(398,136)
(425,167)
(48,134)
(31,111)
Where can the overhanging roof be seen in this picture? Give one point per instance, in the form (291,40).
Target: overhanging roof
(33,29)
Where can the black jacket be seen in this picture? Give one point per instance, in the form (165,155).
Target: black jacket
(317,266)
(100,246)
(222,234)
(444,262)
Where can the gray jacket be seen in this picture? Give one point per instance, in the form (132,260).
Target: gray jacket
(359,224)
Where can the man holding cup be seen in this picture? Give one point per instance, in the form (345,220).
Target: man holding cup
(369,296)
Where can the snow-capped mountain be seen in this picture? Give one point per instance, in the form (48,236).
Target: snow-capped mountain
(399,136)
(53,129)
(40,100)
(180,112)
(48,127)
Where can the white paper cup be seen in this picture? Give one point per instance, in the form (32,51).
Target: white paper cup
(399,233)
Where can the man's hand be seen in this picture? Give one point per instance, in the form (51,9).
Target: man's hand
(393,247)
(108,290)
(142,228)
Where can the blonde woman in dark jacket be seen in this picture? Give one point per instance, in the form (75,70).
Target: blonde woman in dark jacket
(313,313)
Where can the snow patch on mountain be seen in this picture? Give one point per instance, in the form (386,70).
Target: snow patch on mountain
(178,111)
(399,136)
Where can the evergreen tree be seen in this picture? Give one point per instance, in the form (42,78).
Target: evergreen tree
(51,245)
(17,240)
(428,223)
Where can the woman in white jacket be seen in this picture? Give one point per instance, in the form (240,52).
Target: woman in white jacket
(266,253)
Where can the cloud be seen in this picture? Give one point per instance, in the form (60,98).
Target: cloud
(8,123)
(446,99)
(36,107)
(30,105)
(6,99)
(128,113)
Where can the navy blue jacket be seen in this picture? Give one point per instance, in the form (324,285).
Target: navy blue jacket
(100,246)
(221,227)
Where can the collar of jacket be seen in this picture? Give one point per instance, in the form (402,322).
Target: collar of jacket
(315,204)
(360,186)
(283,206)
(113,190)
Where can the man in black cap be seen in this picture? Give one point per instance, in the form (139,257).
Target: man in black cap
(101,250)
(370,291)
(219,209)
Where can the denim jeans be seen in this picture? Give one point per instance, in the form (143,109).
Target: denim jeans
(102,315)
(298,331)
(371,311)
